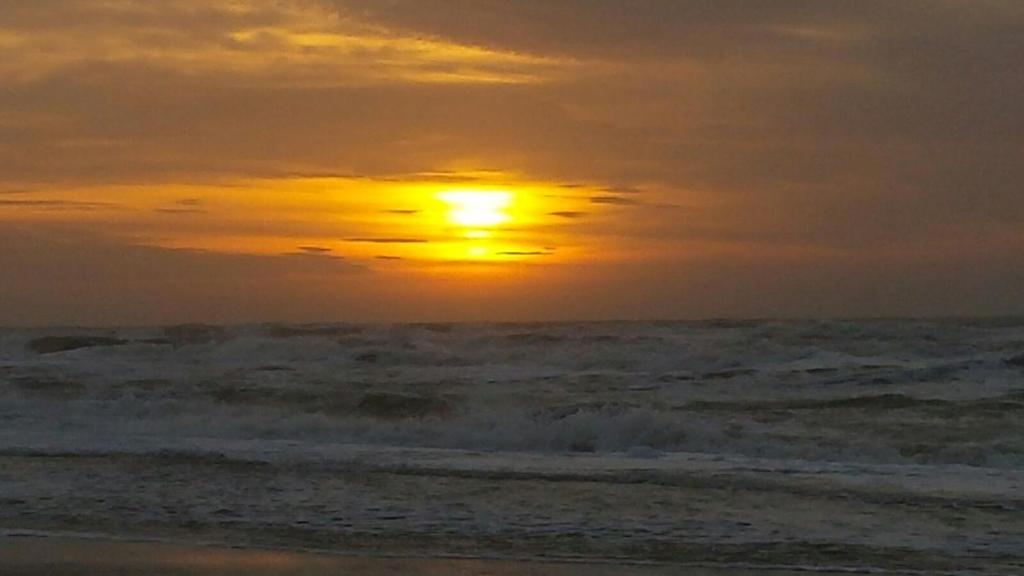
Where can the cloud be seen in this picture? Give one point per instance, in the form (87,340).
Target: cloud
(621,190)
(611,28)
(56,205)
(299,43)
(183,206)
(614,200)
(525,253)
(315,249)
(70,274)
(813,127)
(180,210)
(317,252)
(385,240)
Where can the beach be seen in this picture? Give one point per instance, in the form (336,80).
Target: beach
(75,557)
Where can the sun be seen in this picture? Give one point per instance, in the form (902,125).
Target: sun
(476,208)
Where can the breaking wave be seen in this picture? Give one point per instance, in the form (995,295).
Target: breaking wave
(915,392)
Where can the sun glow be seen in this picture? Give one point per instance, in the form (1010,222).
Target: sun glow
(476,208)
(352,224)
(478,252)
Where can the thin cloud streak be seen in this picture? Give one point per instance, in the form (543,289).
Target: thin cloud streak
(389,240)
(295,43)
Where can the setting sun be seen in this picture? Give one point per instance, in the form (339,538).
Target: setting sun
(475,208)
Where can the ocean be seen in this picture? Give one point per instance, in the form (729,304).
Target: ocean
(884,446)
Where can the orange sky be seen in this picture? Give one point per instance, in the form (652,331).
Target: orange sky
(400,160)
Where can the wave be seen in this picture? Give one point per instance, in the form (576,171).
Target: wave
(1007,403)
(882,391)
(956,489)
(913,432)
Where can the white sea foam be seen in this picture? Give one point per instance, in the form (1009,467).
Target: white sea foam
(858,392)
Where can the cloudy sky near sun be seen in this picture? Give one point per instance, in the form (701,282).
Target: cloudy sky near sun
(304,160)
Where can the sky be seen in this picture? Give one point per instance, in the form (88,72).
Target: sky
(467,160)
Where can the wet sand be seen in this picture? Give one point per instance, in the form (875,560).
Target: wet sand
(69,557)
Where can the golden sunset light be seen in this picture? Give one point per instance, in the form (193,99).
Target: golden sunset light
(476,209)
(659,170)
(400,223)
(511,287)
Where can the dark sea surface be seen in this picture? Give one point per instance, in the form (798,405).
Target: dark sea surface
(868,446)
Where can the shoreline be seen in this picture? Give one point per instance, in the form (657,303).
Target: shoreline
(25,554)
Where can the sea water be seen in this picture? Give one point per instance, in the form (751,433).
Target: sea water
(887,446)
